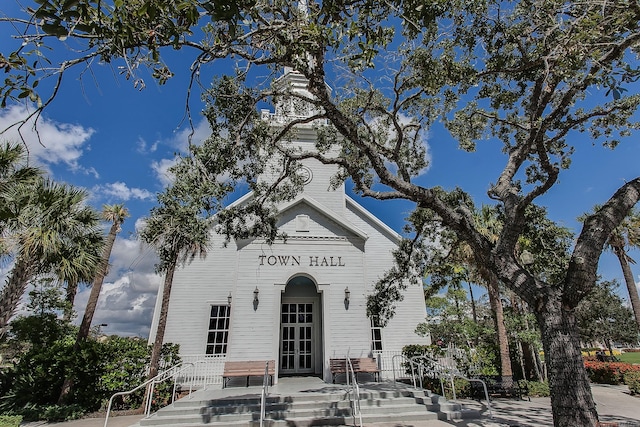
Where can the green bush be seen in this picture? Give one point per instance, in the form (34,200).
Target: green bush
(413,350)
(31,386)
(10,420)
(62,413)
(463,388)
(39,374)
(632,380)
(537,388)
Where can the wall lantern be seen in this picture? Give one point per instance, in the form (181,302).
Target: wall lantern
(347,297)
(256,301)
(229,299)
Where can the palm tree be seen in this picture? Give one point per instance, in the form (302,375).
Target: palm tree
(178,232)
(15,175)
(624,237)
(488,224)
(46,219)
(79,261)
(116,214)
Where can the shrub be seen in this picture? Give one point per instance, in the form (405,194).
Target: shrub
(538,388)
(463,388)
(10,420)
(608,372)
(632,379)
(412,350)
(590,351)
(98,370)
(62,412)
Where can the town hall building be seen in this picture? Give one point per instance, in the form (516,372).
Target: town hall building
(299,301)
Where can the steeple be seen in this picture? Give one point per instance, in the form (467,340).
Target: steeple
(293,106)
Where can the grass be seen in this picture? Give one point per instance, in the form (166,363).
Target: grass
(630,357)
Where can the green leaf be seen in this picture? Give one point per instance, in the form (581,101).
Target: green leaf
(55,29)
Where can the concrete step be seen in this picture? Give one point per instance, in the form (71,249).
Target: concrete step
(330,407)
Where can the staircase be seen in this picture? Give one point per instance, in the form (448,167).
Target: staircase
(324,406)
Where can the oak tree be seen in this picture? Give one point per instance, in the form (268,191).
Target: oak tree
(541,77)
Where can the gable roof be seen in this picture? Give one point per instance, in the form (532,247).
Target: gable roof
(341,221)
(393,235)
(338,219)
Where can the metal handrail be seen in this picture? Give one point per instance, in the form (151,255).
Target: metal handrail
(427,367)
(162,376)
(393,367)
(263,397)
(205,376)
(451,373)
(355,406)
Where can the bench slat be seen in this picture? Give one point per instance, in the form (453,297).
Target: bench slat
(366,365)
(247,368)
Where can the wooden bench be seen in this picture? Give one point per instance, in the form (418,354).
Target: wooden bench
(499,386)
(365,365)
(247,368)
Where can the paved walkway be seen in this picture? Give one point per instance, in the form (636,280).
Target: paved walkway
(613,402)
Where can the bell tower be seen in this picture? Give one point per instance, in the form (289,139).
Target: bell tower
(292,106)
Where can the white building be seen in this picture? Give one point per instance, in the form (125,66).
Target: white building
(301,301)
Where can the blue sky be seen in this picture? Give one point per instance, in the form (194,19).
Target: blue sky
(117,142)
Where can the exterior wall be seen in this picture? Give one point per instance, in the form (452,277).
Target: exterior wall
(379,248)
(318,188)
(331,261)
(196,287)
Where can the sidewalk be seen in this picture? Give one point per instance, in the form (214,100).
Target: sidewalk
(613,403)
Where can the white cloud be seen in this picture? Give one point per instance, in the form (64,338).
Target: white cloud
(180,139)
(120,191)
(128,294)
(49,142)
(144,148)
(161,169)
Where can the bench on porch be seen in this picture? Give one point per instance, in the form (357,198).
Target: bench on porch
(247,368)
(365,365)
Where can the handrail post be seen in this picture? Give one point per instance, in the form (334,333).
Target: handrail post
(263,396)
(355,405)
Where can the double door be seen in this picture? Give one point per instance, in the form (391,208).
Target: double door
(297,337)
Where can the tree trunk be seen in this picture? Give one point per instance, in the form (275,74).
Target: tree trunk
(96,286)
(536,362)
(571,399)
(474,313)
(13,291)
(72,290)
(92,303)
(162,321)
(521,359)
(501,330)
(631,284)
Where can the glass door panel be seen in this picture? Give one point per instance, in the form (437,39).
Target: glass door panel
(296,346)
